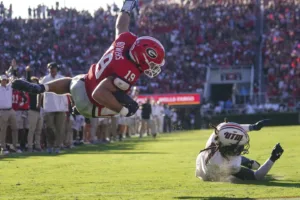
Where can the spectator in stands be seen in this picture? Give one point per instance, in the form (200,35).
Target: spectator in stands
(282,49)
(55,108)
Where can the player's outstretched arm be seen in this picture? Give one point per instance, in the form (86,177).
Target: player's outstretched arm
(257,126)
(123,20)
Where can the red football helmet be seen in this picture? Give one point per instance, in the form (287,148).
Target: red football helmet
(149,54)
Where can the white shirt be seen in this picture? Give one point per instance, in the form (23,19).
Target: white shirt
(155,110)
(54,102)
(160,110)
(139,113)
(5,97)
(174,117)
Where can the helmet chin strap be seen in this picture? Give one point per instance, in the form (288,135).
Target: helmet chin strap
(137,64)
(139,68)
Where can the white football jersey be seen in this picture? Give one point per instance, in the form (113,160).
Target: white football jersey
(213,166)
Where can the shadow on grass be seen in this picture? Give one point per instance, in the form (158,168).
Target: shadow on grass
(124,147)
(211,198)
(273,181)
(233,198)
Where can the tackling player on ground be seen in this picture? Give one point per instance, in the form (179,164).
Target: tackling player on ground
(102,91)
(221,160)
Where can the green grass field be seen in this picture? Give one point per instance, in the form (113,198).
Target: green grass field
(161,168)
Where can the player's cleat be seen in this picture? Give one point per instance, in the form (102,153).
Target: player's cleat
(28,87)
(277,152)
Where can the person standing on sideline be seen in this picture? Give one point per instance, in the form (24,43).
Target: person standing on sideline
(21,105)
(160,117)
(167,118)
(55,108)
(146,114)
(7,116)
(35,117)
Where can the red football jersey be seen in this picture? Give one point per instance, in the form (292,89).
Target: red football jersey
(20,100)
(116,63)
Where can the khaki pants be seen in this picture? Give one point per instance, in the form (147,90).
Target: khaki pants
(160,124)
(113,127)
(22,119)
(157,124)
(55,122)
(144,127)
(68,133)
(8,117)
(131,126)
(153,126)
(104,128)
(94,127)
(35,128)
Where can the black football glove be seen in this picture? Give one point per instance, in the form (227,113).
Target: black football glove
(258,125)
(129,5)
(276,153)
(123,98)
(132,108)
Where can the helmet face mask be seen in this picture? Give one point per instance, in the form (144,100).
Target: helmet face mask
(154,69)
(234,150)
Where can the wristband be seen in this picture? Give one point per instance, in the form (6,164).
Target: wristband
(124,111)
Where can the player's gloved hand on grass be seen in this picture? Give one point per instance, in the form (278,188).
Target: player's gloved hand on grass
(276,153)
(258,125)
(132,108)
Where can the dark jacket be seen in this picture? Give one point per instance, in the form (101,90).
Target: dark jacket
(146,111)
(32,97)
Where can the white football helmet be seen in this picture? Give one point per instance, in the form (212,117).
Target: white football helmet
(232,139)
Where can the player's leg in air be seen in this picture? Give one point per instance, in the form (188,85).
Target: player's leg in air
(59,86)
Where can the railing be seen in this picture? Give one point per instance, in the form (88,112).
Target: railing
(243,104)
(262,98)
